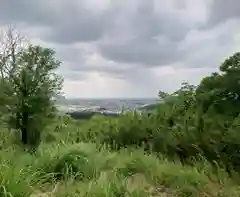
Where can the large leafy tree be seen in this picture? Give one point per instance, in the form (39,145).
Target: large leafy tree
(28,84)
(33,84)
(220,92)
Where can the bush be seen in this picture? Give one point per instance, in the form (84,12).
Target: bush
(73,164)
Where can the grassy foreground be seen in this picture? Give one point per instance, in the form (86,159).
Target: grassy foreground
(64,166)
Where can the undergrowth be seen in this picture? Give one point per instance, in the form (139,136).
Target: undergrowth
(85,170)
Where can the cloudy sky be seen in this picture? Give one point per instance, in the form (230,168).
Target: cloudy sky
(129,48)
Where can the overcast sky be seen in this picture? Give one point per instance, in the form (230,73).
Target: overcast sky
(129,48)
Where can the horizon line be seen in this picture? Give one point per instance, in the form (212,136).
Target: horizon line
(111,98)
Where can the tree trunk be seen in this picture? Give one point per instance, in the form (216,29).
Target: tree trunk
(24,136)
(24,127)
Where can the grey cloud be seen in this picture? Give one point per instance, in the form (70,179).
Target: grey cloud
(74,76)
(26,11)
(115,69)
(212,46)
(148,52)
(142,29)
(144,25)
(133,32)
(71,21)
(180,4)
(223,10)
(67,21)
(71,54)
(78,24)
(71,33)
(146,22)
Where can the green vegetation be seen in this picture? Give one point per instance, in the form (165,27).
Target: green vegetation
(190,146)
(28,86)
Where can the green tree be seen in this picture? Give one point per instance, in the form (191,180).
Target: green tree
(220,92)
(11,44)
(32,85)
(181,100)
(177,104)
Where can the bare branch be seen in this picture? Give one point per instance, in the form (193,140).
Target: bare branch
(11,43)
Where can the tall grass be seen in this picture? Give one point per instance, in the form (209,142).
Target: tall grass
(189,139)
(84,170)
(133,155)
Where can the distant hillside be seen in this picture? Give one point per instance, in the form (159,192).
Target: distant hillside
(110,105)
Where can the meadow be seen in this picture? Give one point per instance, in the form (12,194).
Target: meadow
(107,157)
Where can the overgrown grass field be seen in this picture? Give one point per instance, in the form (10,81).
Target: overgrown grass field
(105,157)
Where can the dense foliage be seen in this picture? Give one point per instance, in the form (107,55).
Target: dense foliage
(28,86)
